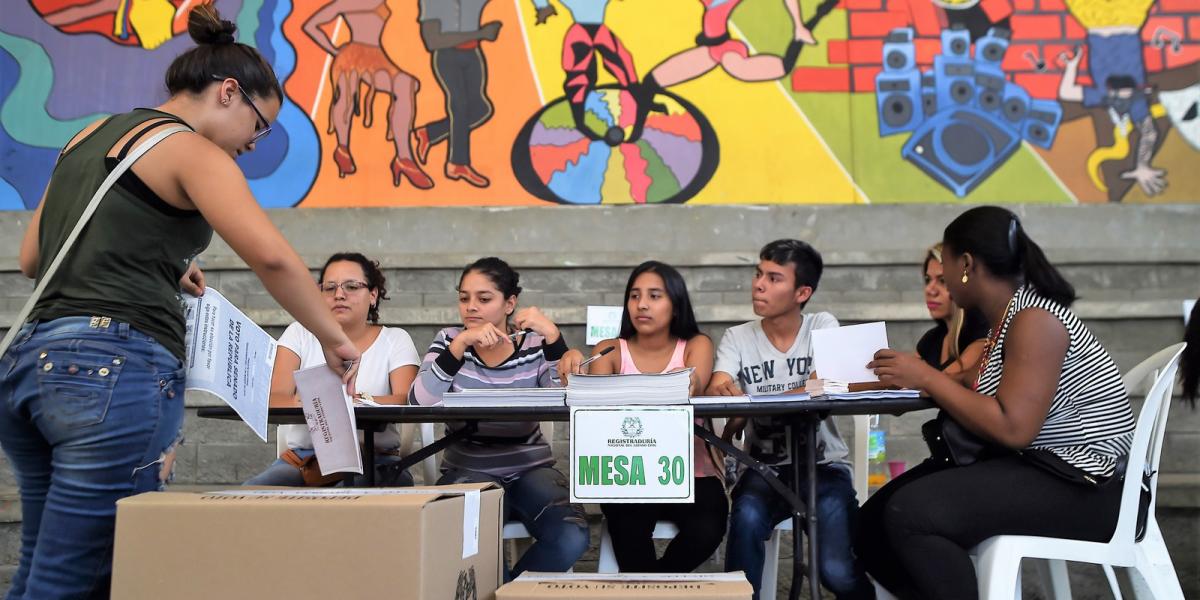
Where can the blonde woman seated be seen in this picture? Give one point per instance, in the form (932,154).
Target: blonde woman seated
(955,344)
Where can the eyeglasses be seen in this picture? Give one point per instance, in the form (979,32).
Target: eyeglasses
(349,286)
(262,126)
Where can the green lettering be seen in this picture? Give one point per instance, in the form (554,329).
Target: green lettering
(606,470)
(589,467)
(665,463)
(621,463)
(637,472)
(677,470)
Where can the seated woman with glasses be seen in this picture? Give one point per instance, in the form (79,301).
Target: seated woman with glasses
(353,286)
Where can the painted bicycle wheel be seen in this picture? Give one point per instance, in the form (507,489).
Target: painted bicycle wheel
(671,161)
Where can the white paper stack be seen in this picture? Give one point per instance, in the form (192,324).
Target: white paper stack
(872,395)
(506,397)
(619,390)
(720,399)
(789,397)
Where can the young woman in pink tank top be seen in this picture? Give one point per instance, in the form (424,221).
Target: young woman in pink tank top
(659,334)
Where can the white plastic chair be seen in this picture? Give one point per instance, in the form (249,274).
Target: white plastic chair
(998,561)
(607,561)
(1054,572)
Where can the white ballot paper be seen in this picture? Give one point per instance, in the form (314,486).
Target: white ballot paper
(330,418)
(842,353)
(230,357)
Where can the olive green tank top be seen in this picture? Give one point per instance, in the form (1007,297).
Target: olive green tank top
(127,263)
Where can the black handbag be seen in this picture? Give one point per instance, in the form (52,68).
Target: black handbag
(951,443)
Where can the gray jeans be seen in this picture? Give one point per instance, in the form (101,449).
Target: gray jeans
(463,77)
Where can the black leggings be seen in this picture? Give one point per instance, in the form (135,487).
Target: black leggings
(914,533)
(701,528)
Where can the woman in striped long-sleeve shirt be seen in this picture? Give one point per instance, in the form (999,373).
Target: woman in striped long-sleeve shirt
(501,347)
(1047,398)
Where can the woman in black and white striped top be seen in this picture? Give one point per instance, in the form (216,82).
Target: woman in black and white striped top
(1047,399)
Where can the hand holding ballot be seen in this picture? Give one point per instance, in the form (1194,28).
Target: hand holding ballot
(344,359)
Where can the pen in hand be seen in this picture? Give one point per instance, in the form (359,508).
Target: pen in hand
(593,359)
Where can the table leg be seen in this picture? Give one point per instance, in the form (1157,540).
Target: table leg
(799,437)
(811,460)
(799,508)
(369,455)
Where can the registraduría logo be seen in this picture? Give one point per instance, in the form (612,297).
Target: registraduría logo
(631,427)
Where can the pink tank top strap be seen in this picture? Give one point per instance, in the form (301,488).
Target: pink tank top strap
(677,358)
(627,366)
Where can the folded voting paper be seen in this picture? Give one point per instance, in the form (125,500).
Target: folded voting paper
(330,419)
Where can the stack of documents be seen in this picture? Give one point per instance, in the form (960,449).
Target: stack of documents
(720,399)
(872,395)
(820,387)
(505,397)
(789,397)
(619,390)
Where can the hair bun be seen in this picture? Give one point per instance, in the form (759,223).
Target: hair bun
(206,26)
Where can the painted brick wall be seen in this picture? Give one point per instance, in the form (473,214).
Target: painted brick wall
(1042,31)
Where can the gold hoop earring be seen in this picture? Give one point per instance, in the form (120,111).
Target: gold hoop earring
(964,278)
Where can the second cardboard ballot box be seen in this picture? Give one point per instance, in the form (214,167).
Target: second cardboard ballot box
(429,543)
(628,586)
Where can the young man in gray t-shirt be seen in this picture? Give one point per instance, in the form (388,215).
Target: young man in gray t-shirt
(773,355)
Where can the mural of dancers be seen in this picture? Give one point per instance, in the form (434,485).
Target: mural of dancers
(587,36)
(452,32)
(363,62)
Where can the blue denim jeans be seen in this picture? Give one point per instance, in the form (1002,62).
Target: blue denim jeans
(538,498)
(282,473)
(757,509)
(89,414)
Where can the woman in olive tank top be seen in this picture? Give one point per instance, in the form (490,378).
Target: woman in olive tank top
(91,391)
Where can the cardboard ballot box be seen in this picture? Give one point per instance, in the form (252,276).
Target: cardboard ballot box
(425,543)
(628,586)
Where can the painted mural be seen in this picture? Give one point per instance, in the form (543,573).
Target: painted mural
(564,102)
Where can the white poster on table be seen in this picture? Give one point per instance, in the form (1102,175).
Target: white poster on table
(603,323)
(842,353)
(632,454)
(229,356)
(330,418)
